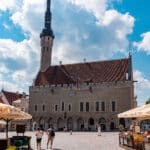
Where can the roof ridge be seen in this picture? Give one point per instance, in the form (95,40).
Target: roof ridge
(91,62)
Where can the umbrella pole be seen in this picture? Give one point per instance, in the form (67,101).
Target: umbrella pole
(7,121)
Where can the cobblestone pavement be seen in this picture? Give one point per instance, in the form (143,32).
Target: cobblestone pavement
(77,141)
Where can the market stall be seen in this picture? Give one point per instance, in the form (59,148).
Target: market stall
(134,137)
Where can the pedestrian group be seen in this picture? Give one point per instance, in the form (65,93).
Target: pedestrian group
(50,137)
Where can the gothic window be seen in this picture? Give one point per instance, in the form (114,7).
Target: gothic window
(62,106)
(35,108)
(47,48)
(81,106)
(87,106)
(69,107)
(102,106)
(56,107)
(97,106)
(113,104)
(43,48)
(43,107)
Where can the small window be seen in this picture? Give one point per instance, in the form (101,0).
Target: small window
(63,106)
(81,106)
(113,106)
(102,106)
(43,107)
(35,107)
(97,106)
(69,107)
(56,107)
(47,48)
(87,106)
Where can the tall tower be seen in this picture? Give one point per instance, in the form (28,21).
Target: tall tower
(47,37)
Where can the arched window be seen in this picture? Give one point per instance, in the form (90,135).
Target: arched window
(87,106)
(97,106)
(91,121)
(63,106)
(69,107)
(81,106)
(56,107)
(102,106)
(35,108)
(113,106)
(43,107)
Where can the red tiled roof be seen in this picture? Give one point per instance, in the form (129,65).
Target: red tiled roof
(10,96)
(96,72)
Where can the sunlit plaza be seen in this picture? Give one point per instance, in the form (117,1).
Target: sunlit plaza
(77,141)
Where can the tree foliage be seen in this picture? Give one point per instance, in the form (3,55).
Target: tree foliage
(147,101)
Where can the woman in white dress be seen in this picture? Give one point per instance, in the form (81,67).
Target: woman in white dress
(99,130)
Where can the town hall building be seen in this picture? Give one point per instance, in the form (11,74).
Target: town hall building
(79,96)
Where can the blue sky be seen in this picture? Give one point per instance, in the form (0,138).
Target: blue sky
(95,30)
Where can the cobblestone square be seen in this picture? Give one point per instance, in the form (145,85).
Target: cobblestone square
(77,141)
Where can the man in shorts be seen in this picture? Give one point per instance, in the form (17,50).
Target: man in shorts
(39,135)
(51,135)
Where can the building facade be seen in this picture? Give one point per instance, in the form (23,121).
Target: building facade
(79,96)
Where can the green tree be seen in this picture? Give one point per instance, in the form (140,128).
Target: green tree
(147,101)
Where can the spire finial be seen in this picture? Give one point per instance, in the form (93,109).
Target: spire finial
(47,31)
(48,4)
(130,47)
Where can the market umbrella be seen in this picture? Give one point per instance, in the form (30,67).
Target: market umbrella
(8,113)
(138,112)
(145,113)
(128,114)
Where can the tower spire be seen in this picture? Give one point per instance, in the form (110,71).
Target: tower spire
(48,4)
(47,31)
(47,38)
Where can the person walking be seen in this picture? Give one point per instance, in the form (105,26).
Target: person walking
(51,135)
(99,130)
(39,135)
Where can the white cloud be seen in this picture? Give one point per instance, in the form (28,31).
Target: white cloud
(21,63)
(142,86)
(4,84)
(144,45)
(30,17)
(10,86)
(142,82)
(15,50)
(94,40)
(3,68)
(21,77)
(9,5)
(1,77)
(97,7)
